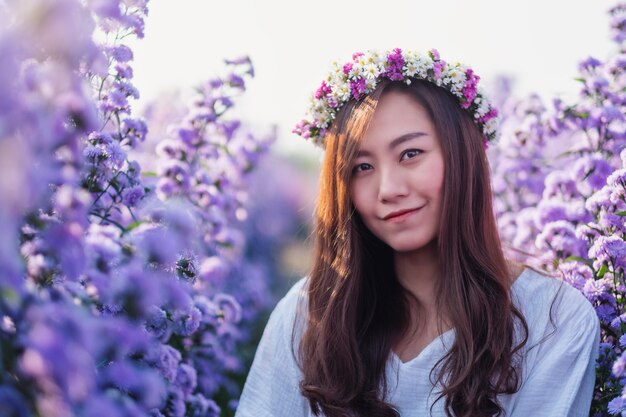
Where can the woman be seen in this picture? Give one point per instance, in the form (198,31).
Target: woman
(411,308)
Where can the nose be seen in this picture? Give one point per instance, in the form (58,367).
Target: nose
(392,185)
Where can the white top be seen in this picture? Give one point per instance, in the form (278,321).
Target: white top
(557,378)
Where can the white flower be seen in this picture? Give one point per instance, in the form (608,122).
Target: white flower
(370,84)
(491,125)
(371,71)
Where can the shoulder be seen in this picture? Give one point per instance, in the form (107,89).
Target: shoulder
(543,299)
(290,307)
(296,296)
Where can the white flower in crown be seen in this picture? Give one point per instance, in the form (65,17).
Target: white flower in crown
(359,77)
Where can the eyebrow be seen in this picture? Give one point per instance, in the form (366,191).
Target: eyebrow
(396,142)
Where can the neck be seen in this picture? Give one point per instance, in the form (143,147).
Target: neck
(418,272)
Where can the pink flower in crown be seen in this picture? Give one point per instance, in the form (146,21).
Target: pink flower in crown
(356,55)
(323,91)
(438,67)
(303,128)
(395,62)
(357,87)
(469,90)
(490,115)
(347,68)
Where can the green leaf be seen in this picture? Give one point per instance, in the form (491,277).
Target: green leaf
(134,225)
(149,173)
(579,259)
(621,213)
(602,271)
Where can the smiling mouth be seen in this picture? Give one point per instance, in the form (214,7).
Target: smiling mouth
(397,215)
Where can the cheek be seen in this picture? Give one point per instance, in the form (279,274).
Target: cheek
(358,196)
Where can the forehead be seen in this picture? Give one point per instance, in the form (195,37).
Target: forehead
(397,113)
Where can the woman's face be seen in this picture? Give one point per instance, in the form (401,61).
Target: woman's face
(397,176)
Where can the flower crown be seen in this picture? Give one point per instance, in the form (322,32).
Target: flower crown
(357,78)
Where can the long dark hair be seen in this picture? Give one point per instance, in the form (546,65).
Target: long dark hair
(356,306)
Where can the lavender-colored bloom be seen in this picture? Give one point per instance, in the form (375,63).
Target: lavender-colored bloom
(213,269)
(231,310)
(175,406)
(187,322)
(599,200)
(560,238)
(596,290)
(592,171)
(199,406)
(609,250)
(132,196)
(186,379)
(158,324)
(616,405)
(589,64)
(166,360)
(617,178)
(605,312)
(550,211)
(576,274)
(121,53)
(135,130)
(12,403)
(143,384)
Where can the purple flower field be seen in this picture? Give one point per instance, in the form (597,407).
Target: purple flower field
(138,254)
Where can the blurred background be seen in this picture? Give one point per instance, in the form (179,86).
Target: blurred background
(536,43)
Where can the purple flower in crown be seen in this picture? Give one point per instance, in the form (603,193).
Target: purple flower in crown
(395,62)
(347,67)
(356,55)
(323,91)
(357,87)
(491,114)
(470,88)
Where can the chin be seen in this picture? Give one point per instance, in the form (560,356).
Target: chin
(410,246)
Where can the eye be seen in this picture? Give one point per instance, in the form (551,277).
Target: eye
(361,167)
(409,154)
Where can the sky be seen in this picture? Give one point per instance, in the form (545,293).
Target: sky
(291,43)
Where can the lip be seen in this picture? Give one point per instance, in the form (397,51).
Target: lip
(400,214)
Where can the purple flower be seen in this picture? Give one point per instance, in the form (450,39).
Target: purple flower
(357,87)
(135,131)
(121,53)
(231,310)
(395,62)
(609,250)
(12,403)
(576,274)
(599,200)
(592,171)
(469,89)
(560,238)
(144,385)
(166,360)
(175,406)
(589,64)
(187,322)
(186,379)
(132,196)
(323,90)
(213,269)
(559,184)
(158,324)
(617,179)
(199,406)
